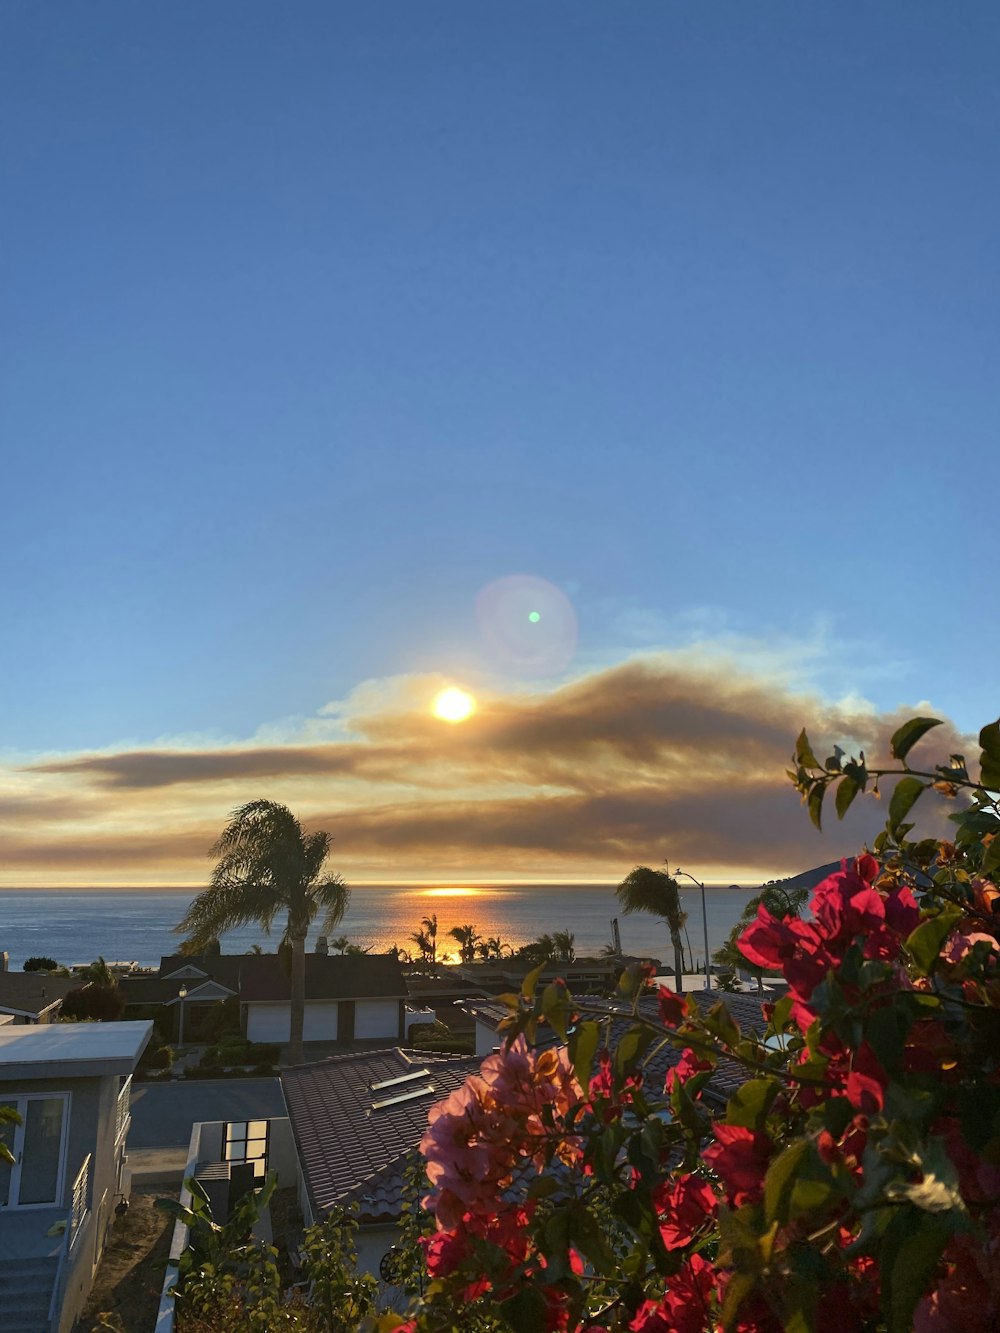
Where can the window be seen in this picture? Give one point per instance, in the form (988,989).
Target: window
(247,1141)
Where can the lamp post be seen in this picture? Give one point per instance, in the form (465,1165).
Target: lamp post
(180,995)
(704,921)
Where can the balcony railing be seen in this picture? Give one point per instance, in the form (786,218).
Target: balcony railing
(122,1118)
(78,1207)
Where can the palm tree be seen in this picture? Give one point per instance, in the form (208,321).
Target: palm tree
(656,892)
(492,947)
(468,938)
(268,865)
(426,940)
(564,942)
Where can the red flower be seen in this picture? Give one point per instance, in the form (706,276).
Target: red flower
(673,1008)
(685,1206)
(740,1158)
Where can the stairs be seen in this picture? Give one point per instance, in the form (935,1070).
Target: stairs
(25,1293)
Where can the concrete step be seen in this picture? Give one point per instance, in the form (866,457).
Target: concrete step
(25,1294)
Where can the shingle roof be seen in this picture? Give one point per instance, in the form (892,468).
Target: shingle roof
(34,992)
(350,1152)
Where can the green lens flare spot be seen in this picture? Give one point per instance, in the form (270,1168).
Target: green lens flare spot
(534,617)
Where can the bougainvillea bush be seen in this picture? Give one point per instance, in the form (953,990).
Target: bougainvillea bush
(853,1180)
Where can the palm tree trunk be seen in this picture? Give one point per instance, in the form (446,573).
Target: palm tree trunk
(678,961)
(297,998)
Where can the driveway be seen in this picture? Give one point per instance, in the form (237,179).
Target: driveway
(163,1113)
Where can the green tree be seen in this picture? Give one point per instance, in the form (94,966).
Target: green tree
(39,965)
(656,892)
(93,1003)
(269,866)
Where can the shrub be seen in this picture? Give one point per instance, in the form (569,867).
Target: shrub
(41,964)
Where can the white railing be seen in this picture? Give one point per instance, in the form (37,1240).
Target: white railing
(122,1117)
(78,1207)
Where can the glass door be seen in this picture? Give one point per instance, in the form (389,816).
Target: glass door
(37,1144)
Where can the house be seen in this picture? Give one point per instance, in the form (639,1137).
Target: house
(69,1084)
(617,1019)
(348,997)
(227,1158)
(356,1119)
(34,997)
(595,976)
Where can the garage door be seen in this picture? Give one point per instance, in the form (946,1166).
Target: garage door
(377,1018)
(267,1022)
(321,1021)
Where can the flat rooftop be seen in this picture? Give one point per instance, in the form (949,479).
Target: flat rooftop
(71,1049)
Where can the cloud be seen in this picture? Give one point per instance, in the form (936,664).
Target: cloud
(666,755)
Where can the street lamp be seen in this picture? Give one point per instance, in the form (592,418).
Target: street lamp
(180,995)
(704,921)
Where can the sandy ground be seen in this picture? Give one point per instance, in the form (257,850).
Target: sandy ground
(127,1288)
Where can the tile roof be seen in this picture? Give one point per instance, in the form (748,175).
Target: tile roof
(350,1152)
(34,992)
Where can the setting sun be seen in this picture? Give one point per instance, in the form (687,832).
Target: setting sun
(453,705)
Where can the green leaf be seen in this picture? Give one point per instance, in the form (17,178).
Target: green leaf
(814,803)
(991,858)
(526,1311)
(989,773)
(847,789)
(907,791)
(530,982)
(803,752)
(779,1181)
(924,944)
(582,1049)
(989,740)
(556,1007)
(906,736)
(720,1023)
(910,1252)
(738,1288)
(750,1103)
(630,1048)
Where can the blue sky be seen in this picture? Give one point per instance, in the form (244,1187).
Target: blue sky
(319,319)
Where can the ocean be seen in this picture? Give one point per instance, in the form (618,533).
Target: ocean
(79,925)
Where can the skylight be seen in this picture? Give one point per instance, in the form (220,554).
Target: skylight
(402,1078)
(407,1096)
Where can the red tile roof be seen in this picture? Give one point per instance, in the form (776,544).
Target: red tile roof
(350,1152)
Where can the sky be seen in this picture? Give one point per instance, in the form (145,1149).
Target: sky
(336,340)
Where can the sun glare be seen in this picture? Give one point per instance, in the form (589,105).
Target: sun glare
(452,892)
(453,705)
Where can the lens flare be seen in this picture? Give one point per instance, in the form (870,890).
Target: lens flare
(527,624)
(453,705)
